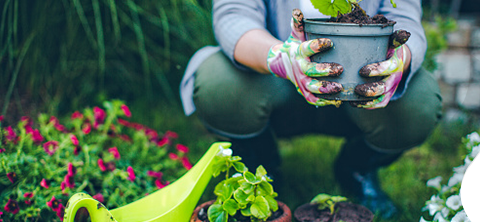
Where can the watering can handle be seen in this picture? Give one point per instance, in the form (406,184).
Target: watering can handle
(96,210)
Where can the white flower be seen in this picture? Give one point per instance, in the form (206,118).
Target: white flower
(454,202)
(475,151)
(460,217)
(473,137)
(434,182)
(445,212)
(435,205)
(439,218)
(423,220)
(225,151)
(455,179)
(237,175)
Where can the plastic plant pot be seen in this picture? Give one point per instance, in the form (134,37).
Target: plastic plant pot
(354,46)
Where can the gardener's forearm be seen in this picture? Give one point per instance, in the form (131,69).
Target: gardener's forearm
(252,49)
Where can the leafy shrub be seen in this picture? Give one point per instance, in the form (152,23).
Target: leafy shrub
(96,151)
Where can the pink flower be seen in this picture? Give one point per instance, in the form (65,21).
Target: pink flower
(77,115)
(36,136)
(87,128)
(126,110)
(54,204)
(28,121)
(12,176)
(123,122)
(99,197)
(74,140)
(111,166)
(69,182)
(50,147)
(71,170)
(61,212)
(186,163)
(57,124)
(157,175)
(99,115)
(173,156)
(151,134)
(182,148)
(12,206)
(11,135)
(131,173)
(164,141)
(63,185)
(1,118)
(29,196)
(137,126)
(2,150)
(44,183)
(101,164)
(161,185)
(114,152)
(171,134)
(77,150)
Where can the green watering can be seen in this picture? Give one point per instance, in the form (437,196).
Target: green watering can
(174,202)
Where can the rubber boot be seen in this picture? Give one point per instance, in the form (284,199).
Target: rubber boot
(260,150)
(356,170)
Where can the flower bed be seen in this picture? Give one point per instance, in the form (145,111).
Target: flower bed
(446,204)
(97,151)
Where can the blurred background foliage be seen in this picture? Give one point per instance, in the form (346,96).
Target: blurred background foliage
(69,53)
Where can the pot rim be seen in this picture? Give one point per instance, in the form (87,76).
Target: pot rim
(322,27)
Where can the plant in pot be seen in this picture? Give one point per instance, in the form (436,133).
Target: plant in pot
(358,40)
(242,196)
(328,208)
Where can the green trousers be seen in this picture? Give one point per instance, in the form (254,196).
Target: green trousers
(241,104)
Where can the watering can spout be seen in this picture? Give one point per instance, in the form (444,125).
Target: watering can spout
(174,202)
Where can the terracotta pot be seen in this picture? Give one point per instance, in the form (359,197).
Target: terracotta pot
(285,217)
(344,211)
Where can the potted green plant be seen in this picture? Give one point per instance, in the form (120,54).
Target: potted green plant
(352,31)
(328,208)
(242,195)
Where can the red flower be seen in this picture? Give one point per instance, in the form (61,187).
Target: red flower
(186,163)
(123,122)
(54,203)
(77,115)
(164,141)
(111,166)
(2,150)
(151,134)
(1,119)
(50,147)
(173,156)
(161,185)
(99,197)
(131,173)
(69,182)
(61,212)
(87,128)
(12,206)
(126,110)
(44,183)
(99,115)
(182,148)
(77,150)
(11,135)
(137,126)
(71,170)
(74,140)
(28,195)
(157,175)
(114,152)
(101,164)
(27,120)
(36,136)
(171,134)
(57,124)
(12,176)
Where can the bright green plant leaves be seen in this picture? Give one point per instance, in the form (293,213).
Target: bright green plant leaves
(327,7)
(260,208)
(324,201)
(223,191)
(239,167)
(231,206)
(216,213)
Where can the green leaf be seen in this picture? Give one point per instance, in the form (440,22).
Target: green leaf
(223,191)
(260,171)
(272,203)
(337,199)
(260,208)
(321,198)
(393,3)
(326,7)
(246,212)
(240,196)
(219,166)
(235,159)
(239,167)
(231,206)
(246,186)
(265,188)
(249,177)
(251,198)
(216,213)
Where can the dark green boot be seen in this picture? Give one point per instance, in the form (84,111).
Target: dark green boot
(356,170)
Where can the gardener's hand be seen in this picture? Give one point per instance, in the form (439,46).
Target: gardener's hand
(291,60)
(398,60)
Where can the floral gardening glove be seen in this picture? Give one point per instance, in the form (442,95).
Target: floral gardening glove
(392,68)
(291,60)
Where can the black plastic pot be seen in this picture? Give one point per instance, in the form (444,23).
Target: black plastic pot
(354,47)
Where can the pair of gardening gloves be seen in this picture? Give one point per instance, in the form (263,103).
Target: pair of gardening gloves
(291,60)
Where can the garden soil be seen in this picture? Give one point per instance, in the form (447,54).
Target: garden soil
(344,211)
